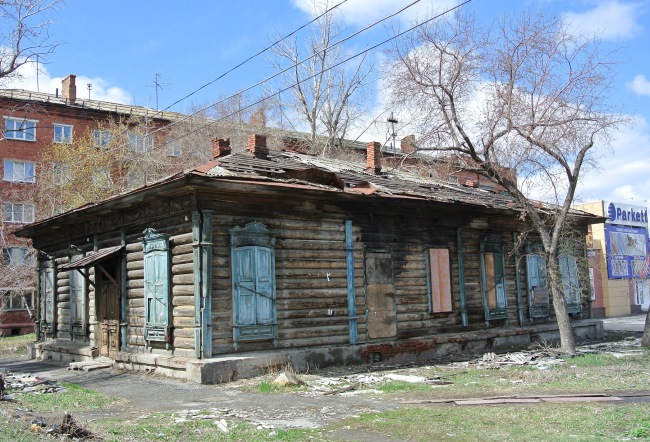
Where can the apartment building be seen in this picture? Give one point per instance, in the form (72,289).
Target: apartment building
(33,121)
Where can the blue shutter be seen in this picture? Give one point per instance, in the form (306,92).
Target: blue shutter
(532,271)
(47,291)
(76,297)
(570,281)
(244,266)
(264,286)
(155,290)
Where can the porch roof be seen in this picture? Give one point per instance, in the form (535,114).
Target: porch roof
(93,258)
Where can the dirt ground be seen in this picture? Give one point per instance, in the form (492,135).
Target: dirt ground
(149,393)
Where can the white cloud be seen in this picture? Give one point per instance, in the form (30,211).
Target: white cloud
(622,172)
(609,20)
(101,89)
(640,85)
(364,12)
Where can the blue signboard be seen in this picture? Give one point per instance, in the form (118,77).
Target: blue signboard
(627,248)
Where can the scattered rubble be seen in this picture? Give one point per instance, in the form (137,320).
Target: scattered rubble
(287,378)
(26,383)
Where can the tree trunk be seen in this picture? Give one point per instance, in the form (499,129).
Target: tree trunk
(567,341)
(645,342)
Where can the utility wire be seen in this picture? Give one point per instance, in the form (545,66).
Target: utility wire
(212,122)
(255,55)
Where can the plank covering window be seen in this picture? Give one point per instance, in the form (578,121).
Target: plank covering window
(253,283)
(440,280)
(156,286)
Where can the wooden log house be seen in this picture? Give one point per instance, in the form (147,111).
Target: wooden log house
(285,254)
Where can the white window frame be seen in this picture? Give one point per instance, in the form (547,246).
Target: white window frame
(140,143)
(60,135)
(10,208)
(21,129)
(26,296)
(10,168)
(16,255)
(174,149)
(101,138)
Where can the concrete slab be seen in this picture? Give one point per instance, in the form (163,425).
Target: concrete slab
(631,323)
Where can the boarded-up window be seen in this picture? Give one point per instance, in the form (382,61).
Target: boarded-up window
(380,294)
(440,280)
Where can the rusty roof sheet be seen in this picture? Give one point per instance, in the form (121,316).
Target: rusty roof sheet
(293,167)
(92,258)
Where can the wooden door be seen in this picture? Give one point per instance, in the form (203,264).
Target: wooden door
(108,309)
(380,294)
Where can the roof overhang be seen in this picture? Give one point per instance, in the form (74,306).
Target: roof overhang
(93,258)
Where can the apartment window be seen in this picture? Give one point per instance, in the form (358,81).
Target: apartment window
(102,178)
(174,148)
(140,143)
(19,171)
(18,213)
(253,282)
(17,299)
(101,138)
(156,286)
(62,133)
(16,255)
(20,129)
(439,274)
(61,173)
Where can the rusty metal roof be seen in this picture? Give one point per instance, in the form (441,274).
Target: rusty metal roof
(293,167)
(92,258)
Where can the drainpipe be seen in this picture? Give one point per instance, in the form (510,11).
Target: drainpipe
(122,293)
(520,307)
(202,244)
(461,276)
(349,262)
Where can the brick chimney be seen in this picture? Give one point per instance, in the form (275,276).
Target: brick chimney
(69,88)
(258,118)
(373,157)
(220,147)
(257,145)
(408,144)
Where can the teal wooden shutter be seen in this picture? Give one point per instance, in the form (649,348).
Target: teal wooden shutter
(47,294)
(500,280)
(264,286)
(253,283)
(156,287)
(532,271)
(77,295)
(157,308)
(570,280)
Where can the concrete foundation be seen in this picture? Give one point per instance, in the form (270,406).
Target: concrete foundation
(245,365)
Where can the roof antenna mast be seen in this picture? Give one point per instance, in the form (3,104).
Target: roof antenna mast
(392,120)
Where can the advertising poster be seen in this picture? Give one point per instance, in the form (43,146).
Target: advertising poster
(627,248)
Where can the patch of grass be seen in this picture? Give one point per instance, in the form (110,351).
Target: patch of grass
(13,346)
(402,386)
(73,398)
(548,422)
(640,431)
(166,426)
(12,431)
(267,386)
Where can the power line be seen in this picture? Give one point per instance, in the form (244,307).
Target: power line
(255,55)
(104,151)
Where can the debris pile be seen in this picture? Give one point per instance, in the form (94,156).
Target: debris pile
(26,383)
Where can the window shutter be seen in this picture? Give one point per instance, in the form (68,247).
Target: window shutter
(156,287)
(244,267)
(47,284)
(264,286)
(500,280)
(532,270)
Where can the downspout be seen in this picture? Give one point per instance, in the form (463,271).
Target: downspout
(202,244)
(461,276)
(122,293)
(520,307)
(349,263)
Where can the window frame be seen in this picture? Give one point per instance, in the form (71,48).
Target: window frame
(493,245)
(61,138)
(537,285)
(140,143)
(28,132)
(8,255)
(78,291)
(22,293)
(255,240)
(47,295)
(11,165)
(157,273)
(101,138)
(438,262)
(13,212)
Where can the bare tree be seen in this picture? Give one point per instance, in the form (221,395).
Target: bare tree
(524,94)
(24,33)
(325,98)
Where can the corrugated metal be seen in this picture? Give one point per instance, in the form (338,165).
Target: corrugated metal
(93,258)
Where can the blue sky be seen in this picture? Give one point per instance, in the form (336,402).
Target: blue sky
(120,46)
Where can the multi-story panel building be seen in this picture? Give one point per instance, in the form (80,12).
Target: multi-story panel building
(33,121)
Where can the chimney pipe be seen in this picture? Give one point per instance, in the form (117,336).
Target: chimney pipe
(373,157)
(220,147)
(408,144)
(69,88)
